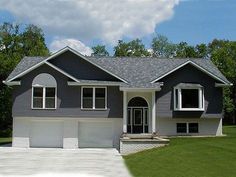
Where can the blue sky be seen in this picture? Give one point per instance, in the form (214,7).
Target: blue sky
(193,21)
(200,21)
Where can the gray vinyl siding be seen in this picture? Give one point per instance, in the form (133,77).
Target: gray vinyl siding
(80,68)
(189,74)
(68,99)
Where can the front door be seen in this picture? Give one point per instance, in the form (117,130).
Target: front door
(137,120)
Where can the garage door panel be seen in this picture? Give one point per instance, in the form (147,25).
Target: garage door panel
(95,134)
(46,134)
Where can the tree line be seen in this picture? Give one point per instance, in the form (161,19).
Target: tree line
(17,41)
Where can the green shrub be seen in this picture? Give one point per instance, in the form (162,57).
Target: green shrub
(6,133)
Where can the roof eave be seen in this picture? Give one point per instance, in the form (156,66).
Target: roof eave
(223,85)
(70,83)
(136,89)
(12,83)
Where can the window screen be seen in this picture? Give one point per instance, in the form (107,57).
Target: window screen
(193,127)
(87,97)
(100,97)
(190,98)
(50,97)
(37,97)
(181,127)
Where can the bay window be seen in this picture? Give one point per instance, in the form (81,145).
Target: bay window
(188,97)
(94,98)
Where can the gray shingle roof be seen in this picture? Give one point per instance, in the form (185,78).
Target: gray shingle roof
(145,70)
(139,72)
(24,64)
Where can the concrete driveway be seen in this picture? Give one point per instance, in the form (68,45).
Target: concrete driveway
(57,162)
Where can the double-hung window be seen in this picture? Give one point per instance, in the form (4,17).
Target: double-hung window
(188,97)
(44,97)
(94,98)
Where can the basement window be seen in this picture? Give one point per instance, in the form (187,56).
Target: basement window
(186,128)
(188,97)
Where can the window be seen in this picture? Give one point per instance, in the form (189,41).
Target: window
(137,116)
(181,127)
(145,116)
(87,97)
(94,98)
(37,97)
(187,127)
(100,98)
(44,98)
(193,127)
(188,97)
(44,92)
(50,97)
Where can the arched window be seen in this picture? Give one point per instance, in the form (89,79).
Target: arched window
(44,87)
(137,102)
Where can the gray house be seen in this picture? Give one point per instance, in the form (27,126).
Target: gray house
(69,100)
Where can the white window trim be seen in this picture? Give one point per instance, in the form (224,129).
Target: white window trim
(44,97)
(201,99)
(94,88)
(187,127)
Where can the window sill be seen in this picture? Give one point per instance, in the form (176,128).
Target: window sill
(189,109)
(91,109)
(43,108)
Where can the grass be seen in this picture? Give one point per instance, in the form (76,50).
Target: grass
(188,157)
(5,140)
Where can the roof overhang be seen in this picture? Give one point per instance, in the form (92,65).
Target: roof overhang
(12,83)
(71,83)
(189,85)
(128,89)
(223,85)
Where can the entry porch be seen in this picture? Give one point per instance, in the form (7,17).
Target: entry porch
(139,121)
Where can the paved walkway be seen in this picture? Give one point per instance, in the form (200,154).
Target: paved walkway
(62,162)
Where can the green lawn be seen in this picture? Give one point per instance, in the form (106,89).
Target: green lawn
(5,140)
(188,157)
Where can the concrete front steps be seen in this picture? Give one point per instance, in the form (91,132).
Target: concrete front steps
(132,143)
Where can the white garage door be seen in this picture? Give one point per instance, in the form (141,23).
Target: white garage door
(46,134)
(95,134)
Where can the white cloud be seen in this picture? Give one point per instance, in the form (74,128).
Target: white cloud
(108,20)
(58,44)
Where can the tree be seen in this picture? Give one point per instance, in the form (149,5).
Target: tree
(100,50)
(223,55)
(33,36)
(183,50)
(162,47)
(202,51)
(134,48)
(14,45)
